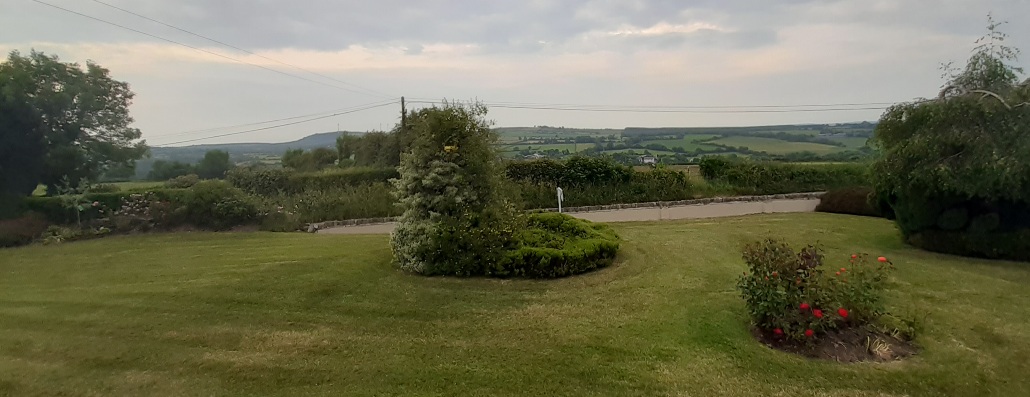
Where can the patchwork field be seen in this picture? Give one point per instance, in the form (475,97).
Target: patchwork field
(776,146)
(301,314)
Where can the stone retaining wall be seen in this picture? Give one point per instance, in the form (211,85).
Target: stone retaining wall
(613,207)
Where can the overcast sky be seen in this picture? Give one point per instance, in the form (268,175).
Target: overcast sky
(583,52)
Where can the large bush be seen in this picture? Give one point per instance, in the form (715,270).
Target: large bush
(456,219)
(750,177)
(794,295)
(956,169)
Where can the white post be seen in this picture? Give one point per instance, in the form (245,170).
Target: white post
(561,197)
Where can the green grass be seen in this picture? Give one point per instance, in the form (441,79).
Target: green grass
(300,314)
(687,143)
(776,146)
(850,142)
(571,147)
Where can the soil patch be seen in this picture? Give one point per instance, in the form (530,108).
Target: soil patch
(847,345)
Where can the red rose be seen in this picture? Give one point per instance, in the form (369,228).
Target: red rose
(809,333)
(804,306)
(843,312)
(882,259)
(778,331)
(843,269)
(838,273)
(817,313)
(775,274)
(853,256)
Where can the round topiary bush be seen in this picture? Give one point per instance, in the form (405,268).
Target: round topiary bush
(557,245)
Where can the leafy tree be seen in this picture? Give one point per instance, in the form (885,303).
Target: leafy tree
(164,170)
(457,218)
(315,160)
(956,169)
(214,165)
(21,147)
(81,115)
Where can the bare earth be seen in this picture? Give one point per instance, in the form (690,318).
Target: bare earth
(715,210)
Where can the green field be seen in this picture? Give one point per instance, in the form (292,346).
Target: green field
(850,142)
(302,314)
(776,146)
(571,147)
(687,143)
(512,134)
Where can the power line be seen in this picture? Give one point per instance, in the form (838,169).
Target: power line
(367,90)
(197,48)
(601,107)
(229,127)
(661,110)
(367,107)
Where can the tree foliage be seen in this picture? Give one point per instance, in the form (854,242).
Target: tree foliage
(457,218)
(963,155)
(214,165)
(81,115)
(314,160)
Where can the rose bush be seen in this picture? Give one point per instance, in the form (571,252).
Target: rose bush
(795,296)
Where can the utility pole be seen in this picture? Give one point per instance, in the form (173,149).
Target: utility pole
(404,115)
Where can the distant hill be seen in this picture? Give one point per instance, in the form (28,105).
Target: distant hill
(192,154)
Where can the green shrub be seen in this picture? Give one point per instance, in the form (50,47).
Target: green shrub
(576,171)
(749,177)
(855,200)
(557,245)
(456,217)
(182,181)
(62,234)
(348,202)
(259,181)
(658,184)
(217,205)
(790,293)
(21,231)
(269,182)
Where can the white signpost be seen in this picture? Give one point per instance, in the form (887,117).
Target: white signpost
(561,197)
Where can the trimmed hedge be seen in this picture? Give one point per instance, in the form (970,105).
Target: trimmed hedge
(266,182)
(558,245)
(855,200)
(575,171)
(757,178)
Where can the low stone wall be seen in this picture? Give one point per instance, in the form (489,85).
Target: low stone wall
(614,207)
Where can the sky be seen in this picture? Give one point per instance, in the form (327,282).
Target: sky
(706,59)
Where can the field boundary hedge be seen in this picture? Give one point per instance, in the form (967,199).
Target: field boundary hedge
(312,227)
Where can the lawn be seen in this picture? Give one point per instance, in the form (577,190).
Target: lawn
(776,146)
(301,314)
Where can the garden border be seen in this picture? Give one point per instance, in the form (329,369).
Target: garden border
(314,227)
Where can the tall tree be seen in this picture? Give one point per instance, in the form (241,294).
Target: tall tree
(81,115)
(214,165)
(21,146)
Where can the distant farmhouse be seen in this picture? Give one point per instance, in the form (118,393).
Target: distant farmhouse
(648,159)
